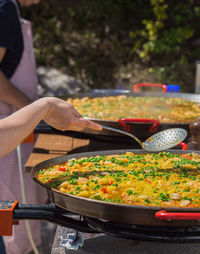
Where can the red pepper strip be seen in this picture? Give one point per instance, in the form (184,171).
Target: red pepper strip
(148,181)
(187,156)
(62,168)
(104,190)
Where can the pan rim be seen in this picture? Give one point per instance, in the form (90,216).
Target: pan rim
(35,170)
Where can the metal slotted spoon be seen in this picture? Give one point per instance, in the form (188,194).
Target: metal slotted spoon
(160,141)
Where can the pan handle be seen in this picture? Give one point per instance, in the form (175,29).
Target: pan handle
(51,213)
(126,127)
(135,87)
(169,216)
(183,145)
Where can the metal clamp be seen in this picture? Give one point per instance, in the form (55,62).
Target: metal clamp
(6,217)
(74,241)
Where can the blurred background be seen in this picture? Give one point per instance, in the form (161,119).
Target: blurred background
(119,43)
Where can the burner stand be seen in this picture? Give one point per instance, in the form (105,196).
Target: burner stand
(146,233)
(116,237)
(104,244)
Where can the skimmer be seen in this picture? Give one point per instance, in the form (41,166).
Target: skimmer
(160,141)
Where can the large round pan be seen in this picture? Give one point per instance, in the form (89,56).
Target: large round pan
(140,129)
(131,214)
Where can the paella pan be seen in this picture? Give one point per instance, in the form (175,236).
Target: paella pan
(146,190)
(142,128)
(151,114)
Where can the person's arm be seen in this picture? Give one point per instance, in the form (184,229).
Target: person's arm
(8,92)
(55,112)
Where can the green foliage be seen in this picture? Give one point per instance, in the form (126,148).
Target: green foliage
(92,39)
(172,26)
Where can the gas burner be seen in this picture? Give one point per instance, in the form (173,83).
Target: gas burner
(146,233)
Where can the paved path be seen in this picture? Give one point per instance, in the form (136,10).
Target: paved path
(55,83)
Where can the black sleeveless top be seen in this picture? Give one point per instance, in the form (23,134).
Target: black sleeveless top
(11,36)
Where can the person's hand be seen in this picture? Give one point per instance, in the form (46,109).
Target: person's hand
(63,116)
(26,3)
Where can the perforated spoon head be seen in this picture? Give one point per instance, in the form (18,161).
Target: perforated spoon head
(164,140)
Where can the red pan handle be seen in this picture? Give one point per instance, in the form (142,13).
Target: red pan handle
(135,87)
(183,145)
(164,215)
(126,127)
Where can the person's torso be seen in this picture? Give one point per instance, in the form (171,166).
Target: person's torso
(24,77)
(10,36)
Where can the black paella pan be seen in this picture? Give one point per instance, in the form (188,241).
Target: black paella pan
(123,213)
(142,128)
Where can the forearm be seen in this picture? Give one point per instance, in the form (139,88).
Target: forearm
(15,128)
(10,94)
(54,111)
